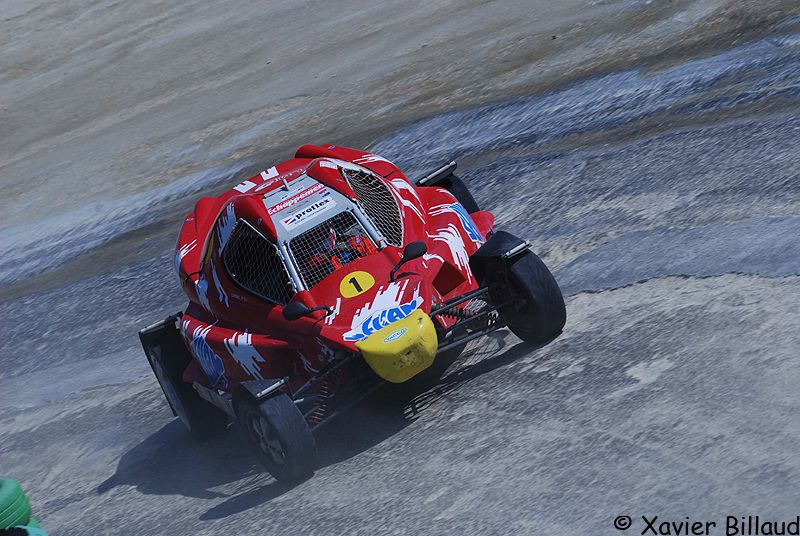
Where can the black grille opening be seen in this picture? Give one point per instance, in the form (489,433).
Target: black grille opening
(328,246)
(378,202)
(255,264)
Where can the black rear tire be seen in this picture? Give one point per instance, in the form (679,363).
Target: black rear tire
(281,437)
(541,314)
(456,186)
(199,416)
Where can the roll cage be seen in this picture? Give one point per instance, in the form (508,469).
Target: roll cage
(295,246)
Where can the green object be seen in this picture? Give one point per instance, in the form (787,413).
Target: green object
(14,506)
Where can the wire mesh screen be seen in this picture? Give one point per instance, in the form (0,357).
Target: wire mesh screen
(328,246)
(378,202)
(255,264)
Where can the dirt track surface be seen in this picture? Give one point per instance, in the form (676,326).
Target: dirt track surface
(649,152)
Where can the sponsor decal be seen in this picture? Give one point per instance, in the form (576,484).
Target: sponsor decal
(466,220)
(396,335)
(382,319)
(387,307)
(328,164)
(290,202)
(314,209)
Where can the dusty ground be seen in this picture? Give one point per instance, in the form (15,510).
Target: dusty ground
(655,168)
(111,110)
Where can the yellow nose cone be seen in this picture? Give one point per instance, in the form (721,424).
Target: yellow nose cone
(403,349)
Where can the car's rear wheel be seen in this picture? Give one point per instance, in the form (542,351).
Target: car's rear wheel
(540,314)
(283,441)
(456,186)
(199,416)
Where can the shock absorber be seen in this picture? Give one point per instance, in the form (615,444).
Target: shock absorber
(321,409)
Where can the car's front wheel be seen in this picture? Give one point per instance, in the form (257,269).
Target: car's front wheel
(283,441)
(540,314)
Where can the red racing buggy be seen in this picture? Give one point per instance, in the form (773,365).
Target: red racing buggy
(315,281)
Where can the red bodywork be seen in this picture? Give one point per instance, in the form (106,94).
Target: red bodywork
(235,335)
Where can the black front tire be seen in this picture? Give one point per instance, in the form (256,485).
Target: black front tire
(541,314)
(283,441)
(199,416)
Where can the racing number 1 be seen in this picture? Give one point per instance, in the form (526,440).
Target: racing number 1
(356,283)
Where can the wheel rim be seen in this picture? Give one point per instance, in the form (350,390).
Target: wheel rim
(266,439)
(172,395)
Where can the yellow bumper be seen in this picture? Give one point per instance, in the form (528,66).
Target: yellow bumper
(403,349)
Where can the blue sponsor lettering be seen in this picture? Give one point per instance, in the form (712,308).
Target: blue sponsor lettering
(466,222)
(396,335)
(381,319)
